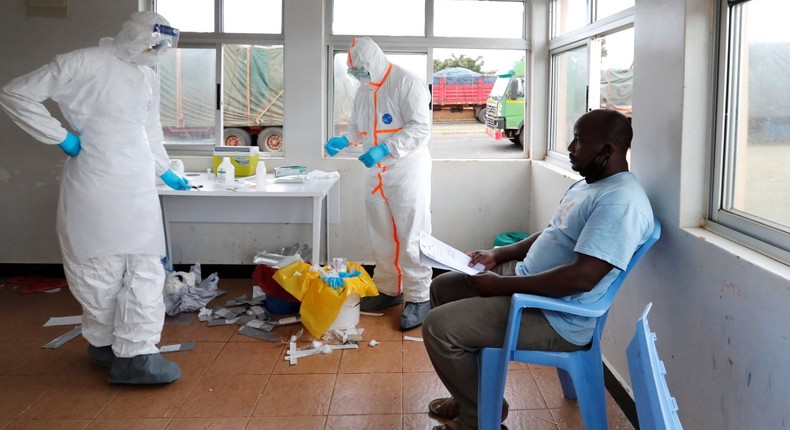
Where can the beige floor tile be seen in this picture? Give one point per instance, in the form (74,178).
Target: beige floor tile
(365,394)
(279,423)
(296,395)
(196,362)
(73,397)
(415,358)
(128,424)
(522,392)
(49,424)
(246,358)
(18,393)
(353,422)
(537,419)
(380,328)
(386,357)
(550,388)
(421,422)
(223,396)
(149,401)
(208,424)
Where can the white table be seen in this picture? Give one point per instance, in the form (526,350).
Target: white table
(314,202)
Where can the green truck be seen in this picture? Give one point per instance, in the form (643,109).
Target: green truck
(505,105)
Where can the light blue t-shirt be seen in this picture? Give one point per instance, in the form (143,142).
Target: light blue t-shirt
(608,219)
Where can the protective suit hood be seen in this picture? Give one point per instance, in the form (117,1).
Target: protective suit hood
(365,53)
(137,36)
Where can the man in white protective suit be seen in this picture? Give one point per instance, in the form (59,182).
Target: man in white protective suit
(109,221)
(391,120)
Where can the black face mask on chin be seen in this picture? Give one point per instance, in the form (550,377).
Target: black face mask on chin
(593,171)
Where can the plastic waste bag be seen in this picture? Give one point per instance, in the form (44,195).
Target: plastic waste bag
(194,295)
(321,303)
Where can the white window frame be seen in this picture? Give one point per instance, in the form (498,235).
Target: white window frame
(761,235)
(587,35)
(215,40)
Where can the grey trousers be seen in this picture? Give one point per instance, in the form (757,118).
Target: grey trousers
(461,322)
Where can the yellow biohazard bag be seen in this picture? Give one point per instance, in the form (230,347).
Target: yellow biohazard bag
(321,303)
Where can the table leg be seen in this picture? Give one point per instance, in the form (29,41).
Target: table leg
(317,204)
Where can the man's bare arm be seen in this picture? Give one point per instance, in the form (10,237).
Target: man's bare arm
(579,276)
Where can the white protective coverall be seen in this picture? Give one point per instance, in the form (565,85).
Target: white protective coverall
(394,109)
(109,221)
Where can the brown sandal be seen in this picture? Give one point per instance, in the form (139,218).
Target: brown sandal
(447,407)
(457,424)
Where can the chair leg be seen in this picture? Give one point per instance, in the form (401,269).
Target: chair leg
(567,384)
(490,389)
(592,394)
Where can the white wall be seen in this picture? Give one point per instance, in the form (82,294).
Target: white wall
(720,311)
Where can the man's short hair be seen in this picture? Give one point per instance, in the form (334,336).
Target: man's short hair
(616,128)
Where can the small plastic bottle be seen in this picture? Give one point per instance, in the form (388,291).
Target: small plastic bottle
(226,173)
(260,175)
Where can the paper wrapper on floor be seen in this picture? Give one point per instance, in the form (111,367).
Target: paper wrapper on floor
(321,303)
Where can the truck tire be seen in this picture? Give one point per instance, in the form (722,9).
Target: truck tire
(519,138)
(236,137)
(480,114)
(271,139)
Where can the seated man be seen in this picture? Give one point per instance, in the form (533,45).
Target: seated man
(598,226)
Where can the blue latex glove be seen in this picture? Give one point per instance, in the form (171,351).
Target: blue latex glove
(334,282)
(374,155)
(70,145)
(335,145)
(350,275)
(174,181)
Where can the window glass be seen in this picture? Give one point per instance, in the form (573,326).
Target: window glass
(188,95)
(570,75)
(188,15)
(253,16)
(250,102)
(614,62)
(569,15)
(473,115)
(759,144)
(379,17)
(463,18)
(604,8)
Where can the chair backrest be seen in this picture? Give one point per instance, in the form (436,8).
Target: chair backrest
(605,301)
(608,297)
(655,407)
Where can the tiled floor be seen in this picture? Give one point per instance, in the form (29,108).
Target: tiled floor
(231,381)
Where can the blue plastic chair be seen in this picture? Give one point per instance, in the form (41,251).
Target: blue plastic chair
(655,408)
(580,372)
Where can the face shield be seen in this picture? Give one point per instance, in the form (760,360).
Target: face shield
(165,37)
(144,38)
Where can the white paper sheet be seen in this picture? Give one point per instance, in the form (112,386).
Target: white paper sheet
(435,253)
(53,321)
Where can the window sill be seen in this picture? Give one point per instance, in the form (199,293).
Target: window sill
(740,251)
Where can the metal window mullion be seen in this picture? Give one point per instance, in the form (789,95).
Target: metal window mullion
(721,119)
(219,13)
(608,25)
(732,112)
